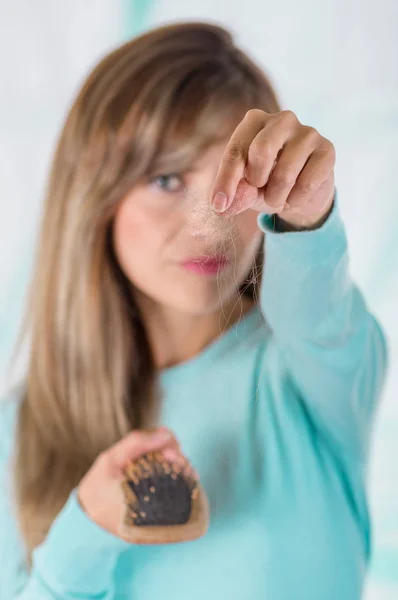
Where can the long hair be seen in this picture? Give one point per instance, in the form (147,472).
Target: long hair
(152,105)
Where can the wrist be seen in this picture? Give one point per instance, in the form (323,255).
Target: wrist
(299,222)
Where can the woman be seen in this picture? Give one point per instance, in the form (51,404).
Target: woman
(146,312)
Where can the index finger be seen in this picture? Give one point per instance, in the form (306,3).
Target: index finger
(234,159)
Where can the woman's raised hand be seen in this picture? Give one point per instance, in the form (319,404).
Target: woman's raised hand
(274,164)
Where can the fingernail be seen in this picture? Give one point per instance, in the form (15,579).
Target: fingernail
(220,202)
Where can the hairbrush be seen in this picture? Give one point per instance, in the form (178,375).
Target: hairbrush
(165,502)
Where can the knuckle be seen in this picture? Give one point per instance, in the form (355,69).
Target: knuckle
(310,132)
(283,179)
(264,155)
(328,149)
(254,113)
(234,152)
(288,116)
(257,157)
(308,187)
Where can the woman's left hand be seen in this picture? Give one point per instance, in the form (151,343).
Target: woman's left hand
(274,164)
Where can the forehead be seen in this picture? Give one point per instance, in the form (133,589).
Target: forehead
(186,142)
(212,155)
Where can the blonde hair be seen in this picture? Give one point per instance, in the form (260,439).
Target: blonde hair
(152,105)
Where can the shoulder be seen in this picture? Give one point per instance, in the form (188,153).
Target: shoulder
(9,407)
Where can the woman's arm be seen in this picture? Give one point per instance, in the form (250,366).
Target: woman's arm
(76,560)
(333,346)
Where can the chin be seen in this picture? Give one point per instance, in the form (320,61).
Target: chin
(196,295)
(200,300)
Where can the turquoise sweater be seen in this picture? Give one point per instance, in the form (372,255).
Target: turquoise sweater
(276,418)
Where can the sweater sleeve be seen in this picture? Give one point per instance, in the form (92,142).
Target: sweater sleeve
(76,560)
(334,348)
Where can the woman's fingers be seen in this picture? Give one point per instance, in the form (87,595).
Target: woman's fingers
(135,444)
(285,161)
(267,146)
(274,164)
(291,161)
(172,454)
(233,162)
(316,170)
(254,153)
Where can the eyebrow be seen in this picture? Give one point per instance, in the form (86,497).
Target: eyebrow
(166,171)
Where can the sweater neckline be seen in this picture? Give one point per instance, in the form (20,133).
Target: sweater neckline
(239,330)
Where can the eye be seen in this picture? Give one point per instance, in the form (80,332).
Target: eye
(170,183)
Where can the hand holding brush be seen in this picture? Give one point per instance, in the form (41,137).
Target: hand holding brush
(145,491)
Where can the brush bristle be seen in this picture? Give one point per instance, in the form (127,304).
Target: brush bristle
(161,492)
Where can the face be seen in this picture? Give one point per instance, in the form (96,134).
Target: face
(175,250)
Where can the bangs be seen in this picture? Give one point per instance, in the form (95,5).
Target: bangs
(204,110)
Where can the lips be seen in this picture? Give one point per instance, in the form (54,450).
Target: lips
(206,265)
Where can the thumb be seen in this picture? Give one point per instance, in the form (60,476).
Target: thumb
(247,196)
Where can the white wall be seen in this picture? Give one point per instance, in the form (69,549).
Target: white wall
(46,49)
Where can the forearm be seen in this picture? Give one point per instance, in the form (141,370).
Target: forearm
(305,275)
(334,348)
(75,562)
(298,222)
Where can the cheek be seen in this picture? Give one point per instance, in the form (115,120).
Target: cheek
(137,238)
(248,230)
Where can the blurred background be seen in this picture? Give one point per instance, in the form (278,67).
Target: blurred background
(334,63)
